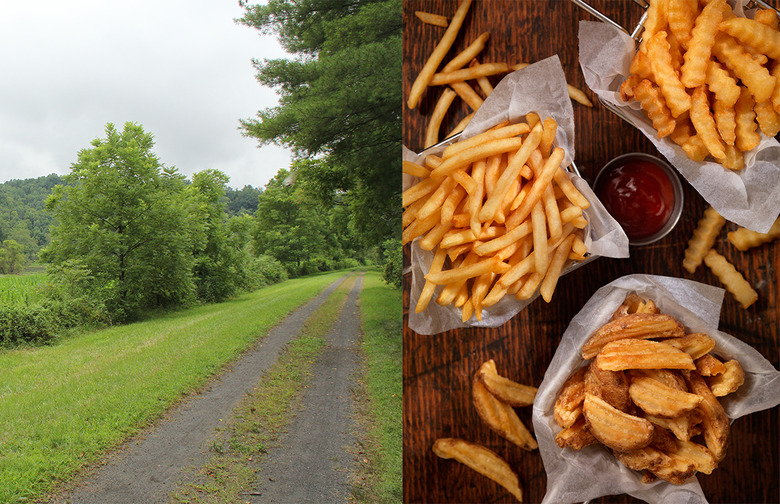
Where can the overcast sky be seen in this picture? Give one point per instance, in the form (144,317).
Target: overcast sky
(180,68)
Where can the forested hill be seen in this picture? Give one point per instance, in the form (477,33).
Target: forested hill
(22,214)
(24,219)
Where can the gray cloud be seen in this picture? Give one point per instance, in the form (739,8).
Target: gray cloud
(180,68)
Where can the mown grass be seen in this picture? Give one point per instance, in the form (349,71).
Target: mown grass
(263,415)
(380,480)
(64,406)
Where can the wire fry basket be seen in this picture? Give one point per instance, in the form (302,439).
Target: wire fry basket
(636,31)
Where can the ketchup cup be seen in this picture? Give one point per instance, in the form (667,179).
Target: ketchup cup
(643,193)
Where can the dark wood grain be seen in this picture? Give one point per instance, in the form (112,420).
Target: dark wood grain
(437,369)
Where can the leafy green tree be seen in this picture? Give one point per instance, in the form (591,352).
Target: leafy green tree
(123,218)
(216,268)
(339,101)
(12,258)
(290,228)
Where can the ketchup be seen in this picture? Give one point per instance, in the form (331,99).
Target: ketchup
(639,195)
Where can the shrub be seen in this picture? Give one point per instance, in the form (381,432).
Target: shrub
(393,256)
(269,270)
(20,324)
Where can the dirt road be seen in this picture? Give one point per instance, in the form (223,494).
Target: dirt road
(147,469)
(312,463)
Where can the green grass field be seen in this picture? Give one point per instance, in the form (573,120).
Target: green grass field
(65,405)
(380,308)
(21,289)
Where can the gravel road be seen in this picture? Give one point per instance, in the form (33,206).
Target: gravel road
(313,459)
(147,468)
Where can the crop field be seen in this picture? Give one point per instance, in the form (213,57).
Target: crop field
(21,289)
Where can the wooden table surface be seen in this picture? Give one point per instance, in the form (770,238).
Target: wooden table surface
(437,369)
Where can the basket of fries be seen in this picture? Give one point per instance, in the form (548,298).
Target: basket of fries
(641,392)
(496,215)
(703,84)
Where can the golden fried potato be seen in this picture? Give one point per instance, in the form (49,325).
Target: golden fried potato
(636,325)
(617,430)
(482,460)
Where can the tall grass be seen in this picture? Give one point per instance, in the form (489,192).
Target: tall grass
(65,405)
(21,289)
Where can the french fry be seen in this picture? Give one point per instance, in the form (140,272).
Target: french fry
(722,54)
(747,136)
(652,102)
(464,74)
(721,84)
(693,71)
(511,172)
(568,405)
(694,344)
(768,120)
(681,16)
(728,381)
(682,427)
(636,325)
(539,226)
(482,460)
(702,239)
(704,123)
(432,19)
(577,436)
(553,272)
(468,156)
(538,186)
(752,74)
(464,57)
(426,74)
(642,354)
(611,386)
(745,239)
(467,94)
(701,457)
(733,280)
(578,95)
(726,122)
(715,422)
(510,392)
(668,402)
(427,292)
(470,189)
(614,428)
(708,365)
(677,99)
(501,417)
(657,399)
(755,34)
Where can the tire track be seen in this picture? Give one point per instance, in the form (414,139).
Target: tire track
(312,461)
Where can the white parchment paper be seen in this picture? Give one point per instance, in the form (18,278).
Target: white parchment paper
(576,476)
(749,197)
(539,88)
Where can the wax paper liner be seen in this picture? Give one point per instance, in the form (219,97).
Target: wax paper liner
(540,88)
(749,197)
(576,476)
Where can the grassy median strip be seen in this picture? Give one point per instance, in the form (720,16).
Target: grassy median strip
(64,406)
(261,418)
(378,479)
